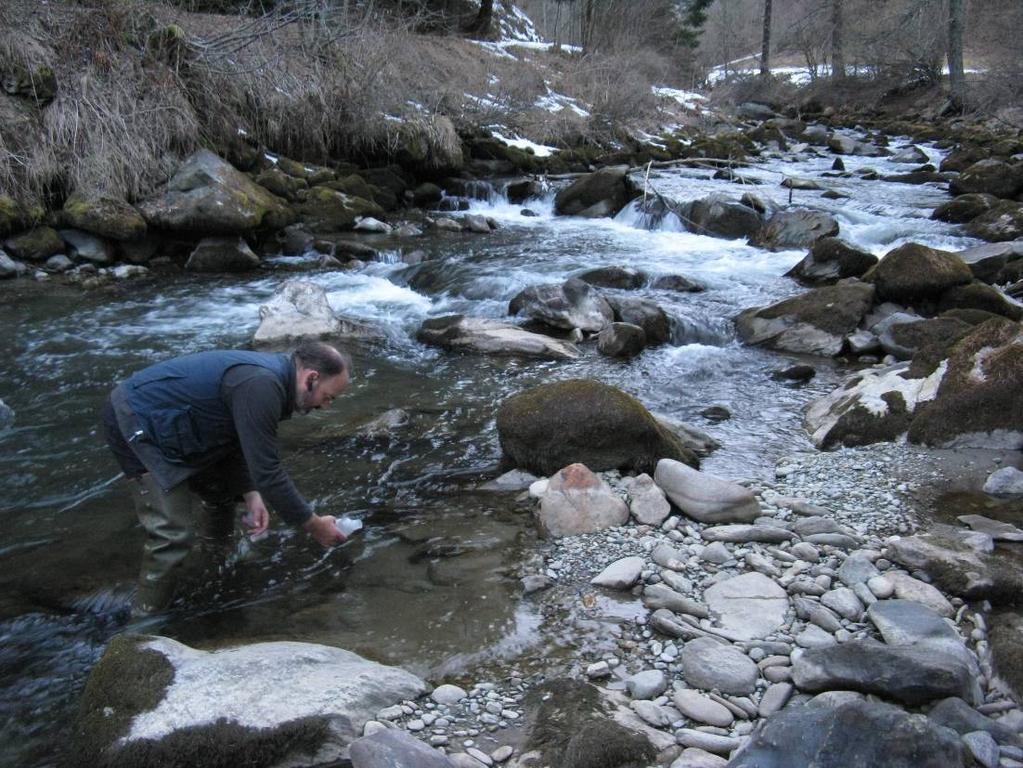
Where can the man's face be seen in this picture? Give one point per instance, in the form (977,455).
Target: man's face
(316,391)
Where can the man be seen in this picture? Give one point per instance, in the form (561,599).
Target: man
(207,424)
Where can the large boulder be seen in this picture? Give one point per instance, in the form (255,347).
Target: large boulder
(858,732)
(992,177)
(910,674)
(577,501)
(621,340)
(831,259)
(1002,223)
(614,277)
(153,701)
(569,305)
(816,322)
(719,216)
(492,337)
(904,336)
(550,426)
(603,193)
(208,196)
(104,216)
(978,402)
(327,210)
(222,254)
(644,313)
(704,497)
(964,208)
(795,229)
(914,272)
(428,145)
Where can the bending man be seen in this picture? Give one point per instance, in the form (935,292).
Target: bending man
(207,424)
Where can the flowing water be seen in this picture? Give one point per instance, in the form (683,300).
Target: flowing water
(431,584)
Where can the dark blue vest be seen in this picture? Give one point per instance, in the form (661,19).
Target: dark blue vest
(178,403)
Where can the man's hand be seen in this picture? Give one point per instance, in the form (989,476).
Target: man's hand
(324,529)
(256,516)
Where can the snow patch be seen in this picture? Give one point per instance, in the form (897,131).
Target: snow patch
(539,150)
(688,99)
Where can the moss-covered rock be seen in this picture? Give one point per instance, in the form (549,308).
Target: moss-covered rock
(570,728)
(584,421)
(979,402)
(38,83)
(281,184)
(327,210)
(37,244)
(978,295)
(603,193)
(913,272)
(127,681)
(992,177)
(964,208)
(104,216)
(208,196)
(353,184)
(429,145)
(962,157)
(815,322)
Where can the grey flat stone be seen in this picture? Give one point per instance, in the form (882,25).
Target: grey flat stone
(621,574)
(742,534)
(983,747)
(908,588)
(709,665)
(647,685)
(651,713)
(660,596)
(749,606)
(844,602)
(857,569)
(709,742)
(996,529)
(394,748)
(701,708)
(692,757)
(775,697)
(647,502)
(704,497)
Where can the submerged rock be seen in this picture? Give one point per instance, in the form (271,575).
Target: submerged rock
(476,334)
(548,427)
(151,699)
(614,277)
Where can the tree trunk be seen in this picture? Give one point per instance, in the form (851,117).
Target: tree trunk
(837,51)
(765,53)
(956,74)
(481,25)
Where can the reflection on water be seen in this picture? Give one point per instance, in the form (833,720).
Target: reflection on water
(432,584)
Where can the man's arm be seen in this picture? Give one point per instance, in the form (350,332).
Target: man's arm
(256,404)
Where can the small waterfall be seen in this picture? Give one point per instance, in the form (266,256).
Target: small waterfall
(711,332)
(481,190)
(652,214)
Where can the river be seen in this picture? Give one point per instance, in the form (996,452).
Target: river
(431,584)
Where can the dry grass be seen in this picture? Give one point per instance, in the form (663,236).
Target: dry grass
(133,97)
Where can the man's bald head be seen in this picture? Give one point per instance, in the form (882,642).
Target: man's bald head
(322,358)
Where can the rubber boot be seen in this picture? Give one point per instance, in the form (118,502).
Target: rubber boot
(167,519)
(216,528)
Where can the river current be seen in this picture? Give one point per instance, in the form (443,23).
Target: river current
(430,586)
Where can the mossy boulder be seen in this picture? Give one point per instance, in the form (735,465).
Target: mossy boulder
(914,272)
(152,701)
(281,184)
(964,208)
(354,184)
(429,146)
(992,177)
(584,421)
(816,322)
(327,210)
(831,259)
(104,216)
(208,196)
(37,244)
(389,185)
(962,157)
(15,216)
(979,402)
(1002,223)
(978,295)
